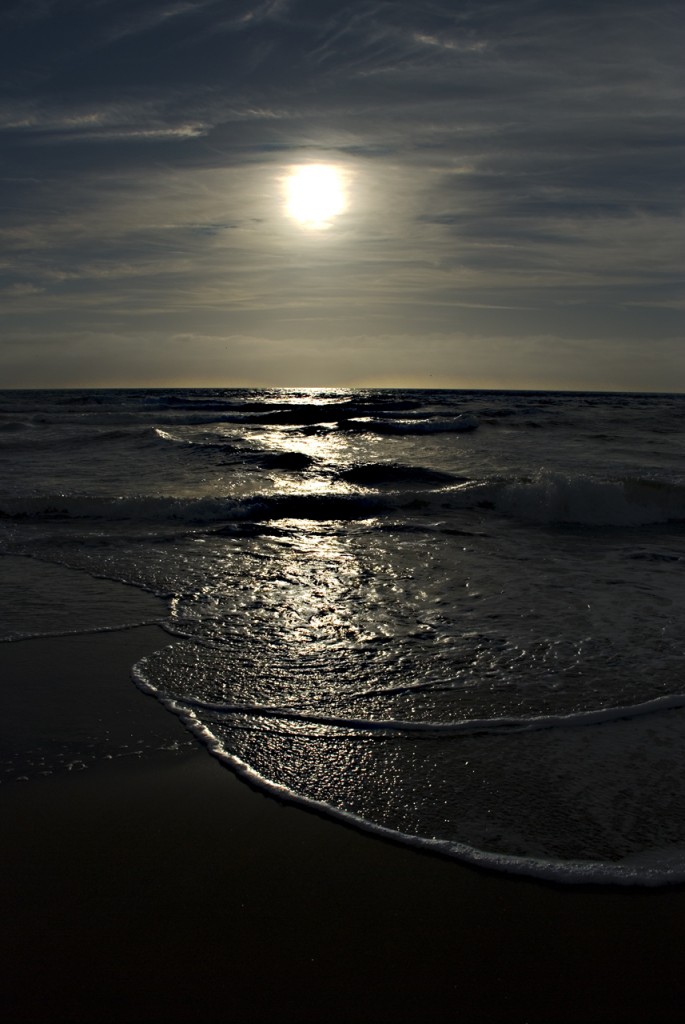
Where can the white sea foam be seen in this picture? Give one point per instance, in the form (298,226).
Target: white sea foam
(655,866)
(436,425)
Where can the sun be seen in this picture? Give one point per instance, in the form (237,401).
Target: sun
(314,195)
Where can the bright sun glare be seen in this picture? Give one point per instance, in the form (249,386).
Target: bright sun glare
(315,195)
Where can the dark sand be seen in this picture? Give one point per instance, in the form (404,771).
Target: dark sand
(157,886)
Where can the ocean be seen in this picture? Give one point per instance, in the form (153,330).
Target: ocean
(453,618)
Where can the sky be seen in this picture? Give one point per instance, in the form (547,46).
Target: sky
(508,213)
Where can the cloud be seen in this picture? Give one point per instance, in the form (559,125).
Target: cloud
(511,167)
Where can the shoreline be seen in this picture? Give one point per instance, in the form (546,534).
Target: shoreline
(159,886)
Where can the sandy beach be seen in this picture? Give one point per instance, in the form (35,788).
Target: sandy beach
(154,885)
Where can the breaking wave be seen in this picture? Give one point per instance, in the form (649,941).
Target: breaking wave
(553,498)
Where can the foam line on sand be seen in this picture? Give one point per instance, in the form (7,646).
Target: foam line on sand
(157,886)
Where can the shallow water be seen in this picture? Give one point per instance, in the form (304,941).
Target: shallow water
(456,617)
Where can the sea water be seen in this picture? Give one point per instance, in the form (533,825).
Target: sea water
(455,618)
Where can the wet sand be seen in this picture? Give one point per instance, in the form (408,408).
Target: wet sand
(154,885)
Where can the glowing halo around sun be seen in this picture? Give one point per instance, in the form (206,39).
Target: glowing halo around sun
(315,195)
